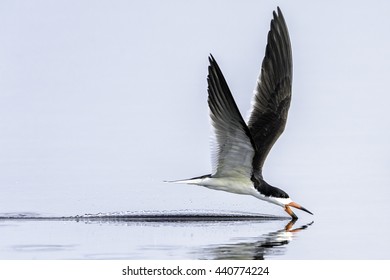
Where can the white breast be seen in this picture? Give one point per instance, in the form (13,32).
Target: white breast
(227,184)
(238,185)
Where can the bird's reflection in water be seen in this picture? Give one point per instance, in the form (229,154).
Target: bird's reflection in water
(270,244)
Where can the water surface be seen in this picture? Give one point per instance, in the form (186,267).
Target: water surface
(167,235)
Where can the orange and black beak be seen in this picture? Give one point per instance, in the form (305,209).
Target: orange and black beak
(295,205)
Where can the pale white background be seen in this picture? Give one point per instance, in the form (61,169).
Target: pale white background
(101,101)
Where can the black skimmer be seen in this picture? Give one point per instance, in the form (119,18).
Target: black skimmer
(241,148)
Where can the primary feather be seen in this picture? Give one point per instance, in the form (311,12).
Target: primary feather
(273,92)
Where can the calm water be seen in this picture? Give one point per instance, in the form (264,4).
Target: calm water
(347,223)
(183,235)
(158,236)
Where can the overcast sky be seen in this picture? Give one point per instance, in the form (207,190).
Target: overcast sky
(100,101)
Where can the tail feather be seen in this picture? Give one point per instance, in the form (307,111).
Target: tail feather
(192,181)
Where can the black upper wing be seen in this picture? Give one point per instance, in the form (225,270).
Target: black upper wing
(273,92)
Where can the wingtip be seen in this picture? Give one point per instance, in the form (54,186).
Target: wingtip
(275,15)
(280,14)
(211,59)
(213,66)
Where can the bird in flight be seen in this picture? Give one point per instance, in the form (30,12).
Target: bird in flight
(241,148)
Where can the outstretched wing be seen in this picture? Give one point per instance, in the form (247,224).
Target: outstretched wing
(234,149)
(273,92)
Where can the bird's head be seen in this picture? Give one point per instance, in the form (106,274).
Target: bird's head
(281,198)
